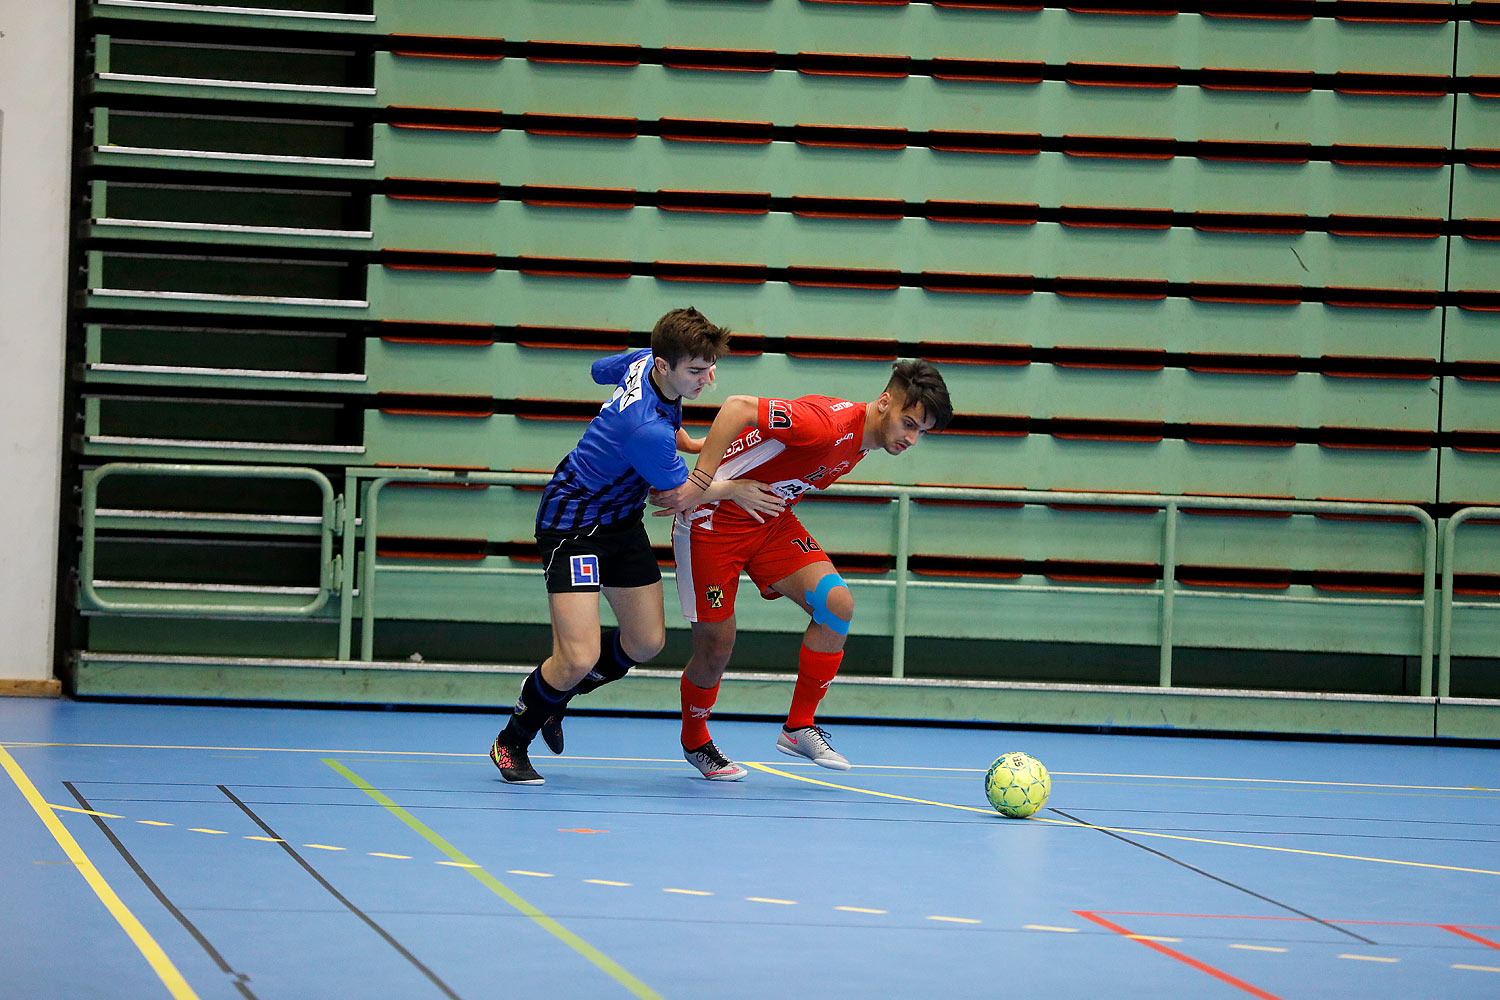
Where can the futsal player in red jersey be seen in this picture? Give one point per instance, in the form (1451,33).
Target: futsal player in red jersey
(793,446)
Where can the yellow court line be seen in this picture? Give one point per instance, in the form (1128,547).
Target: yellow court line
(1138,833)
(551,926)
(150,950)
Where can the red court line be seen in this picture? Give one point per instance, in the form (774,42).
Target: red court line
(1472,937)
(1186,960)
(1243,916)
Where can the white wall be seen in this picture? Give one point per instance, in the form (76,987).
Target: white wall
(36,97)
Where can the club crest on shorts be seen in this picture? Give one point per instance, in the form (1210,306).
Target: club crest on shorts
(585,570)
(714,595)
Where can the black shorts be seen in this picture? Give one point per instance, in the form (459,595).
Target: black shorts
(611,555)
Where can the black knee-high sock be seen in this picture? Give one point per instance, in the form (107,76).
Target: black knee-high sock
(537,702)
(613,664)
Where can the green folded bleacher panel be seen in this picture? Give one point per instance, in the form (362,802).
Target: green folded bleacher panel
(493,513)
(918,103)
(1470,476)
(923,31)
(1471,403)
(916,174)
(911,245)
(908,314)
(1038,390)
(1476,122)
(1474,264)
(1044,462)
(1478,49)
(1476,192)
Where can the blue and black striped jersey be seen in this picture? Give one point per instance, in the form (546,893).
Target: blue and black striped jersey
(631,446)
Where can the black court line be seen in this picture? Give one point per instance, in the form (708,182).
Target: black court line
(1223,881)
(447,991)
(241,979)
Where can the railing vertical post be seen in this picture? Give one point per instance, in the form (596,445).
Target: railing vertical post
(898,624)
(1168,592)
(1445,597)
(347,575)
(367,586)
(1429,608)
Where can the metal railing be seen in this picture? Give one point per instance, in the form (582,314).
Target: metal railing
(358,526)
(374,481)
(328,565)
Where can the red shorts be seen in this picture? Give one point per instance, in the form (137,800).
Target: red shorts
(709,561)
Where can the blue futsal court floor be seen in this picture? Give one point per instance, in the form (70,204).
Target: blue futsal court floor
(151,851)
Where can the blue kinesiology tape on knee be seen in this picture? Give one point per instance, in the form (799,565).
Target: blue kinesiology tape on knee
(818,598)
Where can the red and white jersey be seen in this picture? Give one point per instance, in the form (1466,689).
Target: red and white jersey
(797,445)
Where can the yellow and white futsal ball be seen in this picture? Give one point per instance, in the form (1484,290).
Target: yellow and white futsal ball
(1017,785)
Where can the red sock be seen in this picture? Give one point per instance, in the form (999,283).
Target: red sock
(697,702)
(814,671)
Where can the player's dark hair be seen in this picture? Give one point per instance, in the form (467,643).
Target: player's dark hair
(916,381)
(685,333)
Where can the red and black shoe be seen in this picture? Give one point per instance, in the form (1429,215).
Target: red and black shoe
(514,764)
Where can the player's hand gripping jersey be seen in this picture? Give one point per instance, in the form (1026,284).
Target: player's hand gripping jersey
(798,445)
(629,447)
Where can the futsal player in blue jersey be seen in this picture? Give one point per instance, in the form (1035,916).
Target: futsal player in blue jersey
(592,540)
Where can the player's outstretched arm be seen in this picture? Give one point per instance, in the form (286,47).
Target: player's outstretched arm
(737,413)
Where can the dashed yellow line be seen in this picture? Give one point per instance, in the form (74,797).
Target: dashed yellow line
(204,829)
(382,854)
(765,899)
(86,812)
(689,892)
(1479,968)
(1370,958)
(1044,927)
(264,840)
(859,909)
(603,881)
(1258,947)
(324,847)
(520,871)
(955,920)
